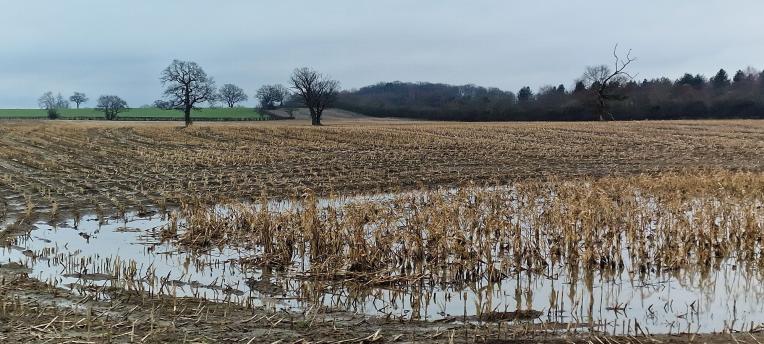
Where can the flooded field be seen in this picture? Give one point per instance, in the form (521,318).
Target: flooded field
(620,258)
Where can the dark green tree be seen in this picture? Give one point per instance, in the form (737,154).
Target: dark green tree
(524,95)
(580,87)
(739,77)
(721,80)
(695,81)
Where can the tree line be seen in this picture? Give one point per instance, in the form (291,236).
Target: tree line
(593,97)
(602,92)
(110,105)
(187,86)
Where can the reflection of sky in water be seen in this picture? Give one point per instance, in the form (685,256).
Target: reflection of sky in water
(58,255)
(683,301)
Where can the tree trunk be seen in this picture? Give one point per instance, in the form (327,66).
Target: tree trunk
(187,115)
(602,105)
(315,117)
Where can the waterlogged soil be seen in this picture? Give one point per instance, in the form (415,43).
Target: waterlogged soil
(57,282)
(33,312)
(105,267)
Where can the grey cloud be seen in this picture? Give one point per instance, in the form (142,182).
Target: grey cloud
(121,46)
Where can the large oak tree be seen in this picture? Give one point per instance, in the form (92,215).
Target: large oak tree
(79,98)
(232,95)
(111,106)
(316,90)
(269,95)
(186,85)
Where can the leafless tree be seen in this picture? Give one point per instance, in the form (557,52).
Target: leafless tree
(53,104)
(47,101)
(212,103)
(111,106)
(162,105)
(78,98)
(281,93)
(269,95)
(186,85)
(317,91)
(602,81)
(232,94)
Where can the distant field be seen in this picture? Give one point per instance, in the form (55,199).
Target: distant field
(52,160)
(140,113)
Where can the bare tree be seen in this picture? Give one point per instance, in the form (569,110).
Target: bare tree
(48,102)
(78,98)
(232,94)
(269,95)
(53,104)
(111,106)
(61,102)
(603,81)
(162,105)
(212,103)
(265,97)
(317,91)
(281,93)
(186,85)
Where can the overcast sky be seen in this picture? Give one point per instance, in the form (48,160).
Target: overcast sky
(120,47)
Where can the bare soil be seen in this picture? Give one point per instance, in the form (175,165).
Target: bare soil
(68,167)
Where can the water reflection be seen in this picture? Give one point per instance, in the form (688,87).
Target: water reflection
(105,259)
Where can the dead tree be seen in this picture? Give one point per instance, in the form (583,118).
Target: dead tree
(603,81)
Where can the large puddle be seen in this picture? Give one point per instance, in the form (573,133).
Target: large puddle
(94,257)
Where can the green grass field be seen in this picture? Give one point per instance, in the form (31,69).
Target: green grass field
(140,113)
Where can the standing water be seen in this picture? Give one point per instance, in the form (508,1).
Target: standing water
(125,254)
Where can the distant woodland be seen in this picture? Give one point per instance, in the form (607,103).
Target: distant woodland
(740,95)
